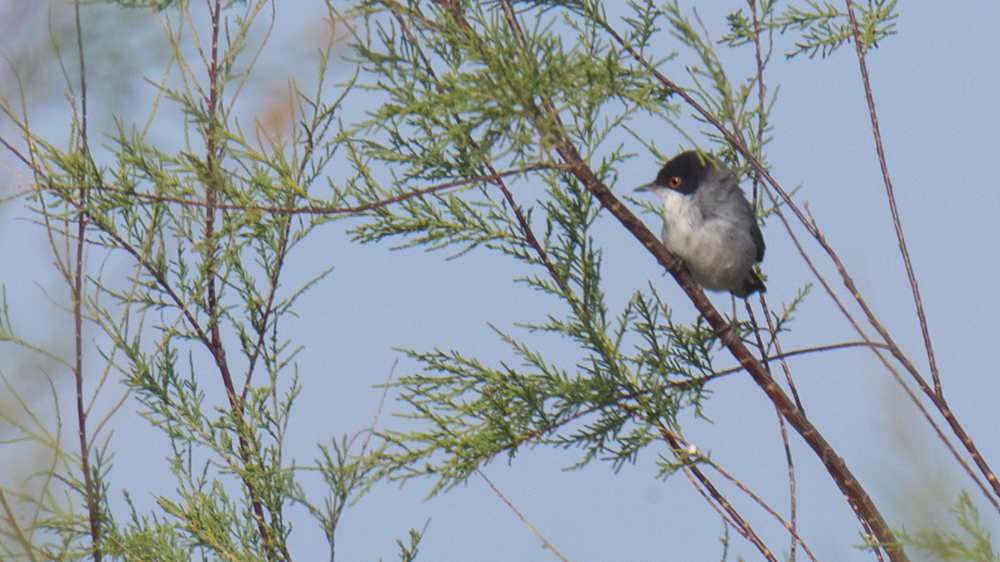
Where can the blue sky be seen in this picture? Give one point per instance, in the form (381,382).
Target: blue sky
(935,85)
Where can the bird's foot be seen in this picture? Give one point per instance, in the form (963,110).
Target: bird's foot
(730,333)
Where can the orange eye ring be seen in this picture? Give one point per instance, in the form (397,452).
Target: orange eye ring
(674,182)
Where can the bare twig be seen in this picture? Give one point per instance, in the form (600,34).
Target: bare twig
(82,412)
(890,194)
(789,526)
(761,89)
(545,542)
(715,497)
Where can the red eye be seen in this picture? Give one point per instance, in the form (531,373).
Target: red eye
(674,182)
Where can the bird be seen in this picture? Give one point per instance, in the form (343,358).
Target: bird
(709,224)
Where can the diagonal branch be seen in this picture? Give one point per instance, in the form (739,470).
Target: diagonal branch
(835,465)
(715,497)
(890,194)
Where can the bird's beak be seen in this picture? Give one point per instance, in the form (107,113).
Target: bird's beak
(647,187)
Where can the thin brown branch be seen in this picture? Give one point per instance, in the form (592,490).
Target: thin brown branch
(853,491)
(397,9)
(781,355)
(93,514)
(939,404)
(212,167)
(81,411)
(323,210)
(213,182)
(760,118)
(545,542)
(890,194)
(792,524)
(529,234)
(793,511)
(454,10)
(790,527)
(378,411)
(793,504)
(715,497)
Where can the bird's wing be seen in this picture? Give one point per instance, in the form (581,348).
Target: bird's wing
(758,240)
(717,199)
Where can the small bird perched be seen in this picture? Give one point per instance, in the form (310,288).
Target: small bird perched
(709,224)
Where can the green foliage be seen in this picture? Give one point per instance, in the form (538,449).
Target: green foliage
(465,154)
(408,552)
(457,110)
(206,230)
(972,544)
(610,408)
(824,28)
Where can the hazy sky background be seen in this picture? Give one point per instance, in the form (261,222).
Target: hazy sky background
(935,85)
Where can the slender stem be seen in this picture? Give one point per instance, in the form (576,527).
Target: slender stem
(331,210)
(534,530)
(216,346)
(715,497)
(890,194)
(878,347)
(793,505)
(81,411)
(760,501)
